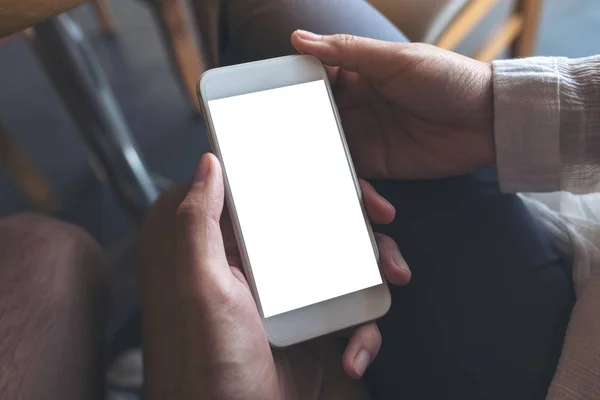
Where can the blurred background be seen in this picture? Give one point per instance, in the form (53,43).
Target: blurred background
(65,151)
(167,128)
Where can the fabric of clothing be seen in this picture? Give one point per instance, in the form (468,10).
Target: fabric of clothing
(547,132)
(484,316)
(547,124)
(576,232)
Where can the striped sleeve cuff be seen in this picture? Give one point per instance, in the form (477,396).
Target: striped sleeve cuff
(527,124)
(547,124)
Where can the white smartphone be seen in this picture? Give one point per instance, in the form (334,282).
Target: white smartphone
(307,247)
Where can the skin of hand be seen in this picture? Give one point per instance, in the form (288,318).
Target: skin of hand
(203,335)
(409,110)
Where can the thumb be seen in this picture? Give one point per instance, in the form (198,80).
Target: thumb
(374,58)
(199,215)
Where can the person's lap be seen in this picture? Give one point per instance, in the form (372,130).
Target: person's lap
(485,314)
(486,311)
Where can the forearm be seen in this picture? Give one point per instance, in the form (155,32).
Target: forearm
(547,124)
(16,15)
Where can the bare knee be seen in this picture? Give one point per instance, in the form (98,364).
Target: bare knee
(48,267)
(39,250)
(51,302)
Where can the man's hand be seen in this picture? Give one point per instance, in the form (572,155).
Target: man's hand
(410,111)
(202,333)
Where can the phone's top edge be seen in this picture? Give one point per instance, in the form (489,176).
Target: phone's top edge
(217,70)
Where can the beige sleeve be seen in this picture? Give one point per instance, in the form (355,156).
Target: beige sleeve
(547,124)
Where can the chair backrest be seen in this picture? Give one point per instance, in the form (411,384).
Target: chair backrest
(418,18)
(447,23)
(517,32)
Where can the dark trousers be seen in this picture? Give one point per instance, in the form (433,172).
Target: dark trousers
(487,308)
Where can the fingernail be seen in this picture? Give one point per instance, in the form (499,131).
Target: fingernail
(306,35)
(203,169)
(399,260)
(362,361)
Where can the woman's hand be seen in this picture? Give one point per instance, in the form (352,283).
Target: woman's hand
(410,111)
(202,333)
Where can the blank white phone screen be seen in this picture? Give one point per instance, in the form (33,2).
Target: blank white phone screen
(296,201)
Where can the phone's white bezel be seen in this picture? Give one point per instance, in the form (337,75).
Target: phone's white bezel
(322,318)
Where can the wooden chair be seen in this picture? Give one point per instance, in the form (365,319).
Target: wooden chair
(187,63)
(185,54)
(447,23)
(14,161)
(518,32)
(186,58)
(190,59)
(208,15)
(171,16)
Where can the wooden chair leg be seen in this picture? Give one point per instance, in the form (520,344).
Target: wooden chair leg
(181,44)
(530,10)
(105,17)
(24,173)
(464,23)
(208,14)
(503,39)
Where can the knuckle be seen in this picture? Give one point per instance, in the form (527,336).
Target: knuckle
(188,210)
(345,41)
(347,45)
(194,211)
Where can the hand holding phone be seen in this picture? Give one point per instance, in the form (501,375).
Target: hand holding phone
(200,317)
(293,194)
(411,110)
